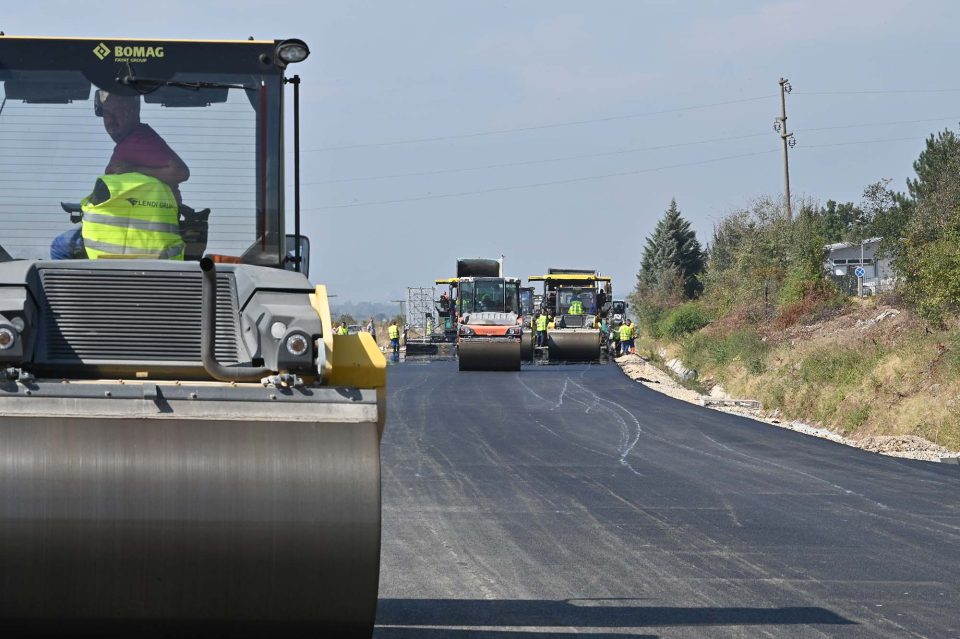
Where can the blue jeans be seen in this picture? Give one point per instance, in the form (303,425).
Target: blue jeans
(68,246)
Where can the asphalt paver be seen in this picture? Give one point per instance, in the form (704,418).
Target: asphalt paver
(571,501)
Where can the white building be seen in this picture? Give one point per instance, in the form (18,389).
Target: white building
(844,258)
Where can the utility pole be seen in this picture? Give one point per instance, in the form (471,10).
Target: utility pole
(780,126)
(402,313)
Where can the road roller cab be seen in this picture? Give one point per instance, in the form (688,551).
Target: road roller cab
(185,439)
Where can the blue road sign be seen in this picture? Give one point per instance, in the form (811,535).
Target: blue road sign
(860,271)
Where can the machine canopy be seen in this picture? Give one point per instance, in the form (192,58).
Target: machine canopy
(216,106)
(489,295)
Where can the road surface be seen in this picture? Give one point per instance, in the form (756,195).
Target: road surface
(571,501)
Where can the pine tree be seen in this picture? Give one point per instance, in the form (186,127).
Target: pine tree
(673,247)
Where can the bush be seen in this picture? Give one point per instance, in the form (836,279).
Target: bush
(819,301)
(701,351)
(682,320)
(834,366)
(933,284)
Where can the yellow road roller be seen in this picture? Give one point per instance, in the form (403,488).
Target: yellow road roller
(576,301)
(186,443)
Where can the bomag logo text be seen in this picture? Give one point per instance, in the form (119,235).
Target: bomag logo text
(128,53)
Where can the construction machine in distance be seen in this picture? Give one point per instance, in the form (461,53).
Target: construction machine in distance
(488,316)
(615,319)
(526,312)
(574,336)
(186,443)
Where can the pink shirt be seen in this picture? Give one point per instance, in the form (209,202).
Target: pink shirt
(144,147)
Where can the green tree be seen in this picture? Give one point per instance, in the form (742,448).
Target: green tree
(927,260)
(348,318)
(672,252)
(841,221)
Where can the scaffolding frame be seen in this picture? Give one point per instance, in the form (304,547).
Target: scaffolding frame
(420,308)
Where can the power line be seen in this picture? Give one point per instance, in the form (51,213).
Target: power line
(856,142)
(538,126)
(870,124)
(623,117)
(540,161)
(542,184)
(610,153)
(877,92)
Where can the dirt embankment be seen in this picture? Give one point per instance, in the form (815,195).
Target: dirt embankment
(870,376)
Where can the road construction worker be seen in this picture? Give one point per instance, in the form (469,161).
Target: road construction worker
(342,329)
(429,326)
(626,337)
(541,326)
(576,307)
(393,332)
(614,337)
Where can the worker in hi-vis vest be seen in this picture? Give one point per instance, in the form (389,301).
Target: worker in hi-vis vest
(132,214)
(626,337)
(393,332)
(542,329)
(576,307)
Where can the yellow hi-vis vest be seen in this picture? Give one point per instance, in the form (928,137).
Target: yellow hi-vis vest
(132,214)
(393,331)
(542,323)
(576,308)
(625,332)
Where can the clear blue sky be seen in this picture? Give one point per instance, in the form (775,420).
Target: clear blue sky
(449,74)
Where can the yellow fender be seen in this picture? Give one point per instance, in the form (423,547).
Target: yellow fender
(351,360)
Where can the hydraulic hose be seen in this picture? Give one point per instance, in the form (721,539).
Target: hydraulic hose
(208,333)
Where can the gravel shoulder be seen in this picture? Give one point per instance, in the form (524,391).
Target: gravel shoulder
(906,446)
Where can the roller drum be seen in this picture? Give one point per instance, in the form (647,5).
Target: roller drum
(526,345)
(489,354)
(574,345)
(235,527)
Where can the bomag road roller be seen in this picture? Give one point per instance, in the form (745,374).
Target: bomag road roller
(576,300)
(489,323)
(185,443)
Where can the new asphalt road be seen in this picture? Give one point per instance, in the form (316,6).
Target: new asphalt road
(571,501)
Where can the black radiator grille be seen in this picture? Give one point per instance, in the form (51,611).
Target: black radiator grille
(130,316)
(573,321)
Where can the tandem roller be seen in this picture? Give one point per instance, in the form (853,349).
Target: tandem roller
(576,302)
(185,445)
(490,321)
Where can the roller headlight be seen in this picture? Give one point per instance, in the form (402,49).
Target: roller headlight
(7,338)
(466,331)
(297,344)
(514,331)
(292,50)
